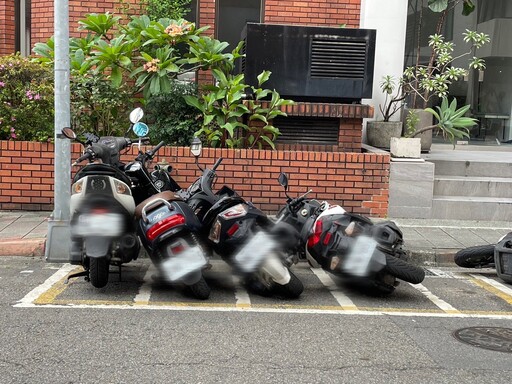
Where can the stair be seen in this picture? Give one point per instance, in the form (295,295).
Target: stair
(472,186)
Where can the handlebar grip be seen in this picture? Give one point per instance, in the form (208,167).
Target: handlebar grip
(85,156)
(217,163)
(158,146)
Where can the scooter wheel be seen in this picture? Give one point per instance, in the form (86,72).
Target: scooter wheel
(478,256)
(404,271)
(201,290)
(98,271)
(292,289)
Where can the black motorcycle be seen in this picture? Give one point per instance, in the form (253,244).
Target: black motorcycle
(231,227)
(345,244)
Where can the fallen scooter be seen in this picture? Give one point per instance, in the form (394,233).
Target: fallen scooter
(346,244)
(228,223)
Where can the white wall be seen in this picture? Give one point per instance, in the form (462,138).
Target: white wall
(389,18)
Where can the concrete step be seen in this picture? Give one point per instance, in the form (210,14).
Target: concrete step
(477,168)
(472,208)
(446,185)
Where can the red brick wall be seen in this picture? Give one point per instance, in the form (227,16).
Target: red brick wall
(7,29)
(357,181)
(317,12)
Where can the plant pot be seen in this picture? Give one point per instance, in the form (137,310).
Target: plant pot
(379,133)
(426,120)
(405,147)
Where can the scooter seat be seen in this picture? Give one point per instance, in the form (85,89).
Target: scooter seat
(165,195)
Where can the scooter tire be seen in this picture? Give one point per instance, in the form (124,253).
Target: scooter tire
(98,271)
(404,271)
(200,290)
(477,256)
(291,290)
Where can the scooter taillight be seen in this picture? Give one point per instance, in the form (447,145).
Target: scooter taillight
(231,231)
(99,211)
(164,225)
(314,239)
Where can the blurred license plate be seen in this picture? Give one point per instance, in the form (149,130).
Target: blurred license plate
(358,259)
(249,258)
(177,266)
(105,224)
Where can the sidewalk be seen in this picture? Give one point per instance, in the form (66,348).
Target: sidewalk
(429,242)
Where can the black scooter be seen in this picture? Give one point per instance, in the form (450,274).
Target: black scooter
(231,227)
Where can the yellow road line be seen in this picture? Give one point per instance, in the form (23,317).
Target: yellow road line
(49,296)
(495,291)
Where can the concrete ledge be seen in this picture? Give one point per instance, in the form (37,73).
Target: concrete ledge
(22,247)
(432,258)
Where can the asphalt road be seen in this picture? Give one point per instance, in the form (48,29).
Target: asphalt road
(135,330)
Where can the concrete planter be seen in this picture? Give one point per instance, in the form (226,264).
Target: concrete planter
(404,147)
(379,133)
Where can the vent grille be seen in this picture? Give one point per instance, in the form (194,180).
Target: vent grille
(307,130)
(243,52)
(335,58)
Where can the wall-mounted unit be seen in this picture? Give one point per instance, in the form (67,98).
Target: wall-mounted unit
(322,64)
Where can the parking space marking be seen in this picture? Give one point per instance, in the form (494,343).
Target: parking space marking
(40,290)
(493,286)
(47,294)
(241,295)
(440,303)
(145,290)
(340,297)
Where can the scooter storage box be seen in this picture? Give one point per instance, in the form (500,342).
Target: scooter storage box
(503,258)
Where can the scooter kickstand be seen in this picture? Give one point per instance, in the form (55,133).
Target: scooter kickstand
(77,274)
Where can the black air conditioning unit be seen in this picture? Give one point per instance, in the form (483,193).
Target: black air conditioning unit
(321,64)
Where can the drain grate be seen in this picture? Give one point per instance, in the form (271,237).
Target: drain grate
(493,338)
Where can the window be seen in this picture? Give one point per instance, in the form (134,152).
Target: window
(232,15)
(191,15)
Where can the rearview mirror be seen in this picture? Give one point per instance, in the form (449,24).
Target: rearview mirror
(140,129)
(136,115)
(283,180)
(69,133)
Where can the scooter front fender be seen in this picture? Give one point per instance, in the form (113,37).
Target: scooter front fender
(97,246)
(273,267)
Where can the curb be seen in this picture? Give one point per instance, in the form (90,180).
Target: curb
(432,257)
(22,247)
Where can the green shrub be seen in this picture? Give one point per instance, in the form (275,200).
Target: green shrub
(171,119)
(26,100)
(97,106)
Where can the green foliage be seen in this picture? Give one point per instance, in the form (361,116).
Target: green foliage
(173,9)
(170,118)
(450,121)
(26,100)
(425,81)
(99,106)
(442,5)
(392,103)
(411,122)
(224,109)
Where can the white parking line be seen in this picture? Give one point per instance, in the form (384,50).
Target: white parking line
(241,296)
(145,290)
(340,297)
(436,300)
(40,289)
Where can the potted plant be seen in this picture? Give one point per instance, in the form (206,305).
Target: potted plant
(450,121)
(380,132)
(425,81)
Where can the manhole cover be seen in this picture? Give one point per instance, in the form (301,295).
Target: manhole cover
(493,338)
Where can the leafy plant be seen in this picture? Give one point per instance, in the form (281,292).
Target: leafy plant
(224,108)
(160,9)
(392,103)
(425,81)
(98,106)
(26,100)
(170,118)
(411,122)
(450,121)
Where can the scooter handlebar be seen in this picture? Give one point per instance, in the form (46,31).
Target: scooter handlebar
(217,163)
